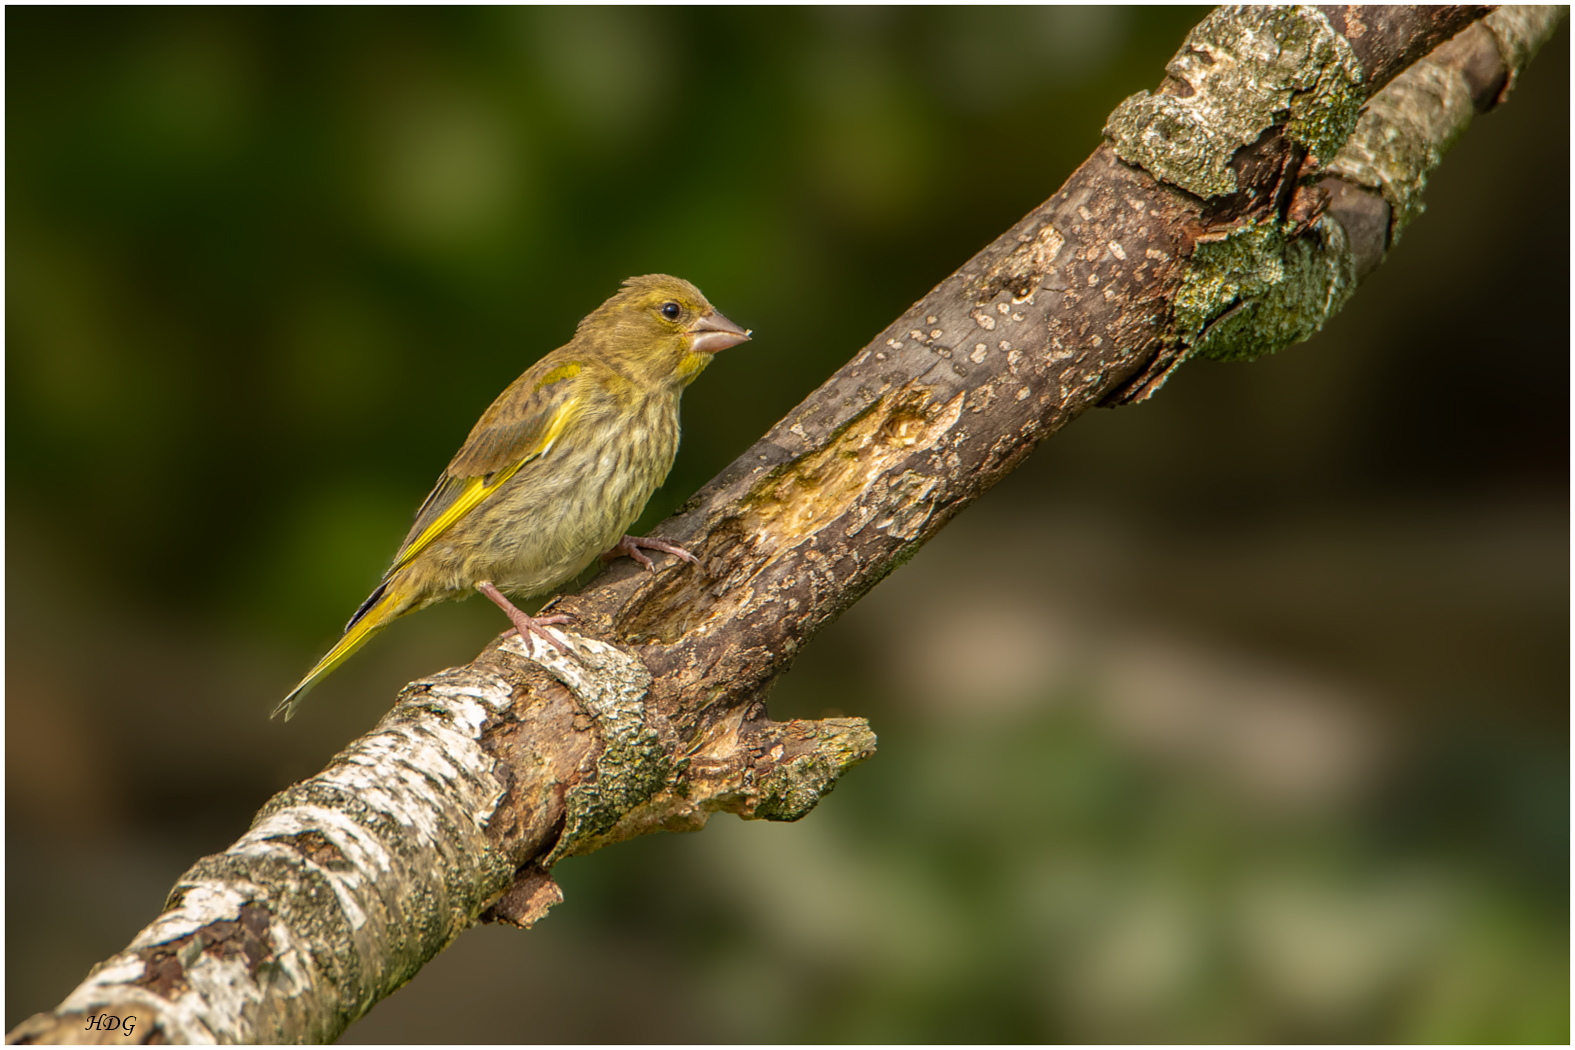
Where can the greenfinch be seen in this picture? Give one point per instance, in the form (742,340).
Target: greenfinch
(557,470)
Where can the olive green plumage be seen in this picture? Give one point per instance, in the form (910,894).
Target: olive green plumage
(558,468)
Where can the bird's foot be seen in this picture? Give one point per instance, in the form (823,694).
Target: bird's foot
(525,626)
(630,545)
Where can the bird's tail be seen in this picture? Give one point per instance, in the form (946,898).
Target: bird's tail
(386,604)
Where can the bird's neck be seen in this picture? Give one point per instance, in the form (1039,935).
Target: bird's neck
(689,367)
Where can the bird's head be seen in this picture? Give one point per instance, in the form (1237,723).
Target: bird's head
(661,329)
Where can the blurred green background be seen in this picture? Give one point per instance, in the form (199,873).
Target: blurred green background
(1262,730)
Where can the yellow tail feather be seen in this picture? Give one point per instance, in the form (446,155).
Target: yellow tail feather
(376,614)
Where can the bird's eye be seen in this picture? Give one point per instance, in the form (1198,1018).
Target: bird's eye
(671,311)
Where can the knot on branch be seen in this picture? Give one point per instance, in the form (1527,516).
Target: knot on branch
(655,775)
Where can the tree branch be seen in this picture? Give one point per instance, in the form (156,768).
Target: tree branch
(1197,229)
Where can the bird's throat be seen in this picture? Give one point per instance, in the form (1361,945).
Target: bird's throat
(691,366)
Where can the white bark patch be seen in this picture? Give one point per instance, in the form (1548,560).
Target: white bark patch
(202,905)
(211,1008)
(335,873)
(602,677)
(360,849)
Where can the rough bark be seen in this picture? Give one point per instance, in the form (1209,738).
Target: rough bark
(454,809)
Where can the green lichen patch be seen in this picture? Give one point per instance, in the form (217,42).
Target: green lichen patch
(794,786)
(1249,68)
(1253,290)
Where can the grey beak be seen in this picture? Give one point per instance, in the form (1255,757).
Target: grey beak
(714,332)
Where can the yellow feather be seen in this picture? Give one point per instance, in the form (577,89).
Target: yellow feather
(478,489)
(691,366)
(357,635)
(568,371)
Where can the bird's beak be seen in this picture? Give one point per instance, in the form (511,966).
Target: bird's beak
(714,332)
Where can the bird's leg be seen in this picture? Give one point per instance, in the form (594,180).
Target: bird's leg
(631,545)
(525,625)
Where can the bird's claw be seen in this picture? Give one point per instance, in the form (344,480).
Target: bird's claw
(534,626)
(630,546)
(524,625)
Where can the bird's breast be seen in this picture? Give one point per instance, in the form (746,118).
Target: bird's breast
(562,510)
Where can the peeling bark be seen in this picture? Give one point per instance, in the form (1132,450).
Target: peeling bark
(454,808)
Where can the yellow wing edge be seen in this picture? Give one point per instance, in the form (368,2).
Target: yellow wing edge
(478,489)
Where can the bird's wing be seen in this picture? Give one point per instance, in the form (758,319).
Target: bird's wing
(522,424)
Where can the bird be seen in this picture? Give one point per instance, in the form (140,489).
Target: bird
(556,471)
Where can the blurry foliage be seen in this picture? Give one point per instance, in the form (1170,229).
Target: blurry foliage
(1237,716)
